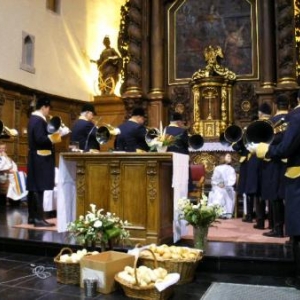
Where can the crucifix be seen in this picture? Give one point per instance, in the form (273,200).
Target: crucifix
(209,96)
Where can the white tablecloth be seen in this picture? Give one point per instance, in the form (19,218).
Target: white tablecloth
(180,188)
(66,192)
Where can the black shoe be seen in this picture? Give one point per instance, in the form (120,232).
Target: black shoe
(273,234)
(42,223)
(257,226)
(30,221)
(247,219)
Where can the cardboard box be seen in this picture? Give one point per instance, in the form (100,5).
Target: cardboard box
(104,266)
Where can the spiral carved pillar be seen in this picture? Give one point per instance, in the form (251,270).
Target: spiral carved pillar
(286,54)
(130,46)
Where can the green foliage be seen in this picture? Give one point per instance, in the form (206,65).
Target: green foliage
(199,214)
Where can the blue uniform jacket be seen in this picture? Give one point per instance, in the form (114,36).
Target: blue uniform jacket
(40,168)
(181,144)
(289,148)
(272,171)
(84,132)
(131,138)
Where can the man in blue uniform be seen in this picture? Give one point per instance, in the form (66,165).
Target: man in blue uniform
(41,161)
(289,148)
(264,113)
(176,129)
(272,187)
(132,133)
(84,129)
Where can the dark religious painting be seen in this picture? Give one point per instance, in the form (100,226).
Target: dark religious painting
(195,24)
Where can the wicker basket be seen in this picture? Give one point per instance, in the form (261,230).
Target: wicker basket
(67,272)
(186,268)
(148,293)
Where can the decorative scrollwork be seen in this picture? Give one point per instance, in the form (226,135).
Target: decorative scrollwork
(213,67)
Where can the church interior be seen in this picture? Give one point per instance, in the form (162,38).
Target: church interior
(213,62)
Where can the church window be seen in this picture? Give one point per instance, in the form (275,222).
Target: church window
(27,63)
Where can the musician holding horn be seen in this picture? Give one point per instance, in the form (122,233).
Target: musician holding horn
(84,129)
(176,128)
(132,133)
(41,161)
(289,147)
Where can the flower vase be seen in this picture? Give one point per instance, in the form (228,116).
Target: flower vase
(162,148)
(200,237)
(90,245)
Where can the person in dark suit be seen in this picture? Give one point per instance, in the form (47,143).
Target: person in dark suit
(289,147)
(176,129)
(240,148)
(264,113)
(41,161)
(272,179)
(84,129)
(132,133)
(252,184)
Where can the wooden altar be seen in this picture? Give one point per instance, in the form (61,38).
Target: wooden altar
(137,187)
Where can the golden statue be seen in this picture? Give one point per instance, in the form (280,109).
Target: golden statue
(213,67)
(109,66)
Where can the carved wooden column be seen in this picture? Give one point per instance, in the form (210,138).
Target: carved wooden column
(156,65)
(286,54)
(267,43)
(131,47)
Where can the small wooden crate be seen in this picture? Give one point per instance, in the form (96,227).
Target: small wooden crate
(147,293)
(67,272)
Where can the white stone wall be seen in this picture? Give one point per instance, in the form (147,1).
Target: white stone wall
(64,43)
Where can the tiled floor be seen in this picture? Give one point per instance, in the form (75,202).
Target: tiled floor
(21,251)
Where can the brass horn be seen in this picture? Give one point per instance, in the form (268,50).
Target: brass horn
(232,134)
(151,134)
(196,141)
(261,131)
(6,132)
(105,132)
(54,124)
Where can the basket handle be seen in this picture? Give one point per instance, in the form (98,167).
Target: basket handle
(135,263)
(69,250)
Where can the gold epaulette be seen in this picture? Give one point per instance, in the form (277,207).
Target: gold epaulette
(292,172)
(55,137)
(280,128)
(249,156)
(242,159)
(44,152)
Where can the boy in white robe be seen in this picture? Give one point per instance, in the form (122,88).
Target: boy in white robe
(223,179)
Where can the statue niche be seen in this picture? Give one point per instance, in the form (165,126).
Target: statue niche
(212,96)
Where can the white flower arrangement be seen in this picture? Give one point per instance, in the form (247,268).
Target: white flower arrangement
(98,226)
(200,214)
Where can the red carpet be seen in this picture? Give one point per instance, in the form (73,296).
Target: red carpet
(234,230)
(231,230)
